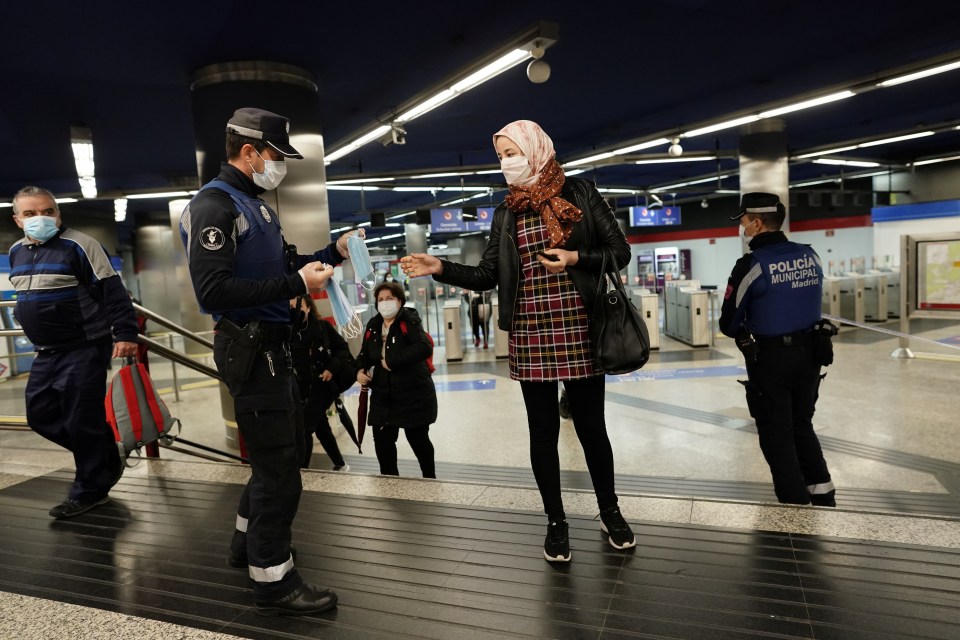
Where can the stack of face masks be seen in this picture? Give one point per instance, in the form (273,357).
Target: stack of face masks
(346,318)
(360,258)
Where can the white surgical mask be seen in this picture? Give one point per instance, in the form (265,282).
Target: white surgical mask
(743,230)
(273,173)
(516,170)
(388,308)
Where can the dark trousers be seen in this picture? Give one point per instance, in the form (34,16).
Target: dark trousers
(315,421)
(64,402)
(385,443)
(543,418)
(782,394)
(268,414)
(480,324)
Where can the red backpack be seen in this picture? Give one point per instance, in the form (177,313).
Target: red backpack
(135,411)
(403,330)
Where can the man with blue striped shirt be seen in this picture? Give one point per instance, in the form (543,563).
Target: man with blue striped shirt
(76,311)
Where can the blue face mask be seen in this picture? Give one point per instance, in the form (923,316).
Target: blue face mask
(40,228)
(360,257)
(343,313)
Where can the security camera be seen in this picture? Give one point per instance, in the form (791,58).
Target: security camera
(675,149)
(396,135)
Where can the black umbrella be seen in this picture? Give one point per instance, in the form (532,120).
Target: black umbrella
(347,422)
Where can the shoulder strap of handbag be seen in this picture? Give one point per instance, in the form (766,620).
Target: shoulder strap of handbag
(608,271)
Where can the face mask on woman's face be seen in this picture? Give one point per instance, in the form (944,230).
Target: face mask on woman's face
(516,170)
(273,173)
(388,308)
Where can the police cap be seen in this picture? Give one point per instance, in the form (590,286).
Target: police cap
(759,202)
(264,125)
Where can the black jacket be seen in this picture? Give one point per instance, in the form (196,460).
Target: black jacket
(500,263)
(315,347)
(405,395)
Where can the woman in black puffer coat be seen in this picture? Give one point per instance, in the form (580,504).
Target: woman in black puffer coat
(393,364)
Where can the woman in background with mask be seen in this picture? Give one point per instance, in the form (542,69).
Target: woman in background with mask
(393,364)
(545,253)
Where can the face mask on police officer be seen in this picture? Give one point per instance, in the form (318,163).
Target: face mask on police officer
(743,230)
(388,308)
(273,173)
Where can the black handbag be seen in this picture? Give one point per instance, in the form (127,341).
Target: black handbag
(619,334)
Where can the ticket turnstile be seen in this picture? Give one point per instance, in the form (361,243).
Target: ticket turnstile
(875,306)
(830,304)
(452,331)
(851,297)
(688,313)
(648,304)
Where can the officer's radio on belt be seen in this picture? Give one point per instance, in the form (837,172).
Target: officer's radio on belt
(823,342)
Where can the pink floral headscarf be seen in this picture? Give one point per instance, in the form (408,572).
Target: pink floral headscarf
(543,193)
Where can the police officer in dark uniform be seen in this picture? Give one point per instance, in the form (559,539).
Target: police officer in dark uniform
(244,273)
(772,309)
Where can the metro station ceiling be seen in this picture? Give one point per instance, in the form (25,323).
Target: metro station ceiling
(621,72)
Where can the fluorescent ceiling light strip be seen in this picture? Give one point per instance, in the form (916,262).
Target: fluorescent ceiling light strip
(588,159)
(164,194)
(919,163)
(722,125)
(573,172)
(846,163)
(83,159)
(911,136)
(806,104)
(615,190)
(688,183)
(387,237)
(810,183)
(488,171)
(494,68)
(351,187)
(449,174)
(359,181)
(671,160)
(88,187)
(359,142)
(426,105)
(825,152)
(642,145)
(920,74)
(465,189)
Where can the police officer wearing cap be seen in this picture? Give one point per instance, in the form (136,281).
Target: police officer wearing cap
(244,274)
(772,309)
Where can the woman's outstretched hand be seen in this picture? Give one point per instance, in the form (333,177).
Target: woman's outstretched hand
(420,264)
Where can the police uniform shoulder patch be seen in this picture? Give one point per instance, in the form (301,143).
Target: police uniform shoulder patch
(212,239)
(265,213)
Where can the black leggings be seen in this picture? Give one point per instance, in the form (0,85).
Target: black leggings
(385,442)
(315,421)
(543,418)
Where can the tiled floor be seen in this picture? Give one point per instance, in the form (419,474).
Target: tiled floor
(687,461)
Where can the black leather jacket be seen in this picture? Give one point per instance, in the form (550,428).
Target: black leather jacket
(500,262)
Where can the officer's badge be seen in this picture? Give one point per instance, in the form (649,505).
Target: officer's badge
(265,213)
(212,239)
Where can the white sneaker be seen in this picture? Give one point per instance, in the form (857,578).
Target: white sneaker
(342,467)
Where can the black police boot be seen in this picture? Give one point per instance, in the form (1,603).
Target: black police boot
(302,601)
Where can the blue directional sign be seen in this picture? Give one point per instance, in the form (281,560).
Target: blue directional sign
(483,221)
(659,217)
(446,220)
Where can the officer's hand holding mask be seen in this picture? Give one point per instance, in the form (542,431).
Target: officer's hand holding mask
(316,274)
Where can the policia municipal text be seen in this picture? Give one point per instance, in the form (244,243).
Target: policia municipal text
(244,273)
(772,309)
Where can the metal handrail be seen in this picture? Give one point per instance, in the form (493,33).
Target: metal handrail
(16,423)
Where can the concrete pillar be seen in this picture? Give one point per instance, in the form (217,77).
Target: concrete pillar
(764,160)
(416,237)
(301,202)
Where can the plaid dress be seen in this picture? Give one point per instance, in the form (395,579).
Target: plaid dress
(549,336)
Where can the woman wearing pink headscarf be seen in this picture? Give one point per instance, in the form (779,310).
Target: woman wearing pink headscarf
(545,255)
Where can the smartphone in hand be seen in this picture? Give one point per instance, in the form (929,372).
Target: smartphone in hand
(548,256)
